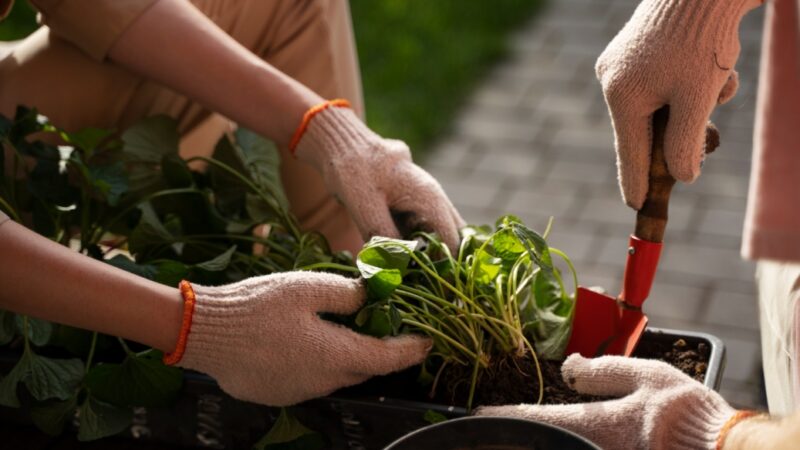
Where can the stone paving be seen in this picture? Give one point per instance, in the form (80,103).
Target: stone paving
(535,140)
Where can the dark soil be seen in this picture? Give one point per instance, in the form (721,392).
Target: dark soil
(513,381)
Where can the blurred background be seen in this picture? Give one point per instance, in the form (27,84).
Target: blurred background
(500,103)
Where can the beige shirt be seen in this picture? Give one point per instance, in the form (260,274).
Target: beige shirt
(68,19)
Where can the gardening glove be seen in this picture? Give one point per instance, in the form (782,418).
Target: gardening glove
(263,341)
(679,53)
(382,189)
(661,407)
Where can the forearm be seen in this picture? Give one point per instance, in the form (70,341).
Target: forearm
(763,432)
(45,280)
(176,45)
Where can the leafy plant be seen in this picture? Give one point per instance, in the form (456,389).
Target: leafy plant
(501,295)
(133,202)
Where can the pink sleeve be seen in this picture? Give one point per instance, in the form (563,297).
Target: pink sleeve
(92,26)
(3,217)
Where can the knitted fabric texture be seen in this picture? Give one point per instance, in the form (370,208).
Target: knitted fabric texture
(660,407)
(672,52)
(385,193)
(263,340)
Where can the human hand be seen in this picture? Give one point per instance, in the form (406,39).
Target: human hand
(263,340)
(660,407)
(679,53)
(382,189)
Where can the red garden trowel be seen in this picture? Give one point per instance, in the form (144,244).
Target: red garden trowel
(605,325)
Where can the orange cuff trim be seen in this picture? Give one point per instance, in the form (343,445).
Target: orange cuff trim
(188,310)
(732,422)
(313,111)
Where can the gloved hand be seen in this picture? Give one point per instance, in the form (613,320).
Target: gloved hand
(376,179)
(263,341)
(672,52)
(661,409)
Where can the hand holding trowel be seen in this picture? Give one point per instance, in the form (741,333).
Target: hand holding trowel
(604,325)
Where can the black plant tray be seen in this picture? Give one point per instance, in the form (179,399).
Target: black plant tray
(204,416)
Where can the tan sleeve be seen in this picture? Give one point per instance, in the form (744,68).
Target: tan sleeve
(5,8)
(92,26)
(3,217)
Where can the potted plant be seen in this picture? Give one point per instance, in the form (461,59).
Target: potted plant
(498,309)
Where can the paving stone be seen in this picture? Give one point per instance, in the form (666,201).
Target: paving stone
(674,301)
(733,310)
(712,263)
(721,221)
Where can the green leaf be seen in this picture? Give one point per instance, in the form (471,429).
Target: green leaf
(551,334)
(506,245)
(99,419)
(487,267)
(380,282)
(52,416)
(263,161)
(379,322)
(219,263)
(110,181)
(140,380)
(432,417)
(145,145)
(176,172)
(7,327)
(39,331)
(87,138)
(44,377)
(170,273)
(151,234)
(387,253)
(546,289)
(148,271)
(287,433)
(151,139)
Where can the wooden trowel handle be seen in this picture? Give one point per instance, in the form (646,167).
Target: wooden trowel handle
(651,220)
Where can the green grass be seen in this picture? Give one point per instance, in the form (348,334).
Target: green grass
(419,58)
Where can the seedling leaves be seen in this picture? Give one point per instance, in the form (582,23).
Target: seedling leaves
(140,380)
(39,331)
(289,434)
(219,263)
(44,377)
(99,419)
(51,416)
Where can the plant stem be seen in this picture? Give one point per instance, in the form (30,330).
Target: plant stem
(11,211)
(91,352)
(25,333)
(125,347)
(441,335)
(331,266)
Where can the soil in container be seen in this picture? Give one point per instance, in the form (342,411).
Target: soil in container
(513,381)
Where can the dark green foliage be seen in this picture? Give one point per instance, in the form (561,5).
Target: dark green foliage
(134,203)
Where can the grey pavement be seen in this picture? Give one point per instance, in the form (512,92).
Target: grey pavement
(535,140)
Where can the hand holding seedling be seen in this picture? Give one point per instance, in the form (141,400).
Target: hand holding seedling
(672,52)
(263,340)
(659,408)
(385,193)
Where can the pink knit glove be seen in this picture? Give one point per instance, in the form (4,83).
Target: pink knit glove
(376,179)
(661,409)
(263,340)
(679,53)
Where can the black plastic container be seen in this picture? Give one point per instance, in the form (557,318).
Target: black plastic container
(206,417)
(485,433)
